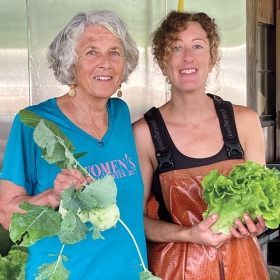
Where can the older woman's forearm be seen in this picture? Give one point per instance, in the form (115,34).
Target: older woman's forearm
(11,196)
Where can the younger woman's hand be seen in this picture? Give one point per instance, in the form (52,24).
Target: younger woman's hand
(249,229)
(203,235)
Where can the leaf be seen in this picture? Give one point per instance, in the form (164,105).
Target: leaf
(31,119)
(68,200)
(47,141)
(36,223)
(96,234)
(53,271)
(86,200)
(147,275)
(56,147)
(79,155)
(103,190)
(74,200)
(72,229)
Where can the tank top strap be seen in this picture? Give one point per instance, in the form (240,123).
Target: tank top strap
(159,136)
(225,114)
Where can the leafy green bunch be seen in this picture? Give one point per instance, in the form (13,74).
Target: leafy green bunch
(95,204)
(249,188)
(12,266)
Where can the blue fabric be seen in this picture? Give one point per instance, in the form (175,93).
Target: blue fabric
(116,256)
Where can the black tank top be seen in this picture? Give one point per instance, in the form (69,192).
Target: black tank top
(170,158)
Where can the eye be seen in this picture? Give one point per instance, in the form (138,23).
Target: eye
(177,48)
(91,53)
(197,47)
(115,53)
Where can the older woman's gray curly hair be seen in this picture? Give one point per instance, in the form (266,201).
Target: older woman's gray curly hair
(61,53)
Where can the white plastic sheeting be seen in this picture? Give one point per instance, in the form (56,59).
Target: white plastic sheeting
(28,27)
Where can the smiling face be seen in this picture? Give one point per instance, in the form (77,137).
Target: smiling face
(100,65)
(189,63)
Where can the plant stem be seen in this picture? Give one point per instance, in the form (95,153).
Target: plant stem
(135,243)
(70,154)
(85,173)
(59,257)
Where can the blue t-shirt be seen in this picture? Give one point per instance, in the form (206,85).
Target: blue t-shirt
(115,257)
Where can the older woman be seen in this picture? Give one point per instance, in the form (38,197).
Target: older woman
(190,140)
(93,54)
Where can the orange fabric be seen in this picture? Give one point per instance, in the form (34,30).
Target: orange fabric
(182,191)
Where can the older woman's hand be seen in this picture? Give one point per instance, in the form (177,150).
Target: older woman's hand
(250,229)
(64,180)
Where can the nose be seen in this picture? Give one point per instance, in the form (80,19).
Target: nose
(187,55)
(104,61)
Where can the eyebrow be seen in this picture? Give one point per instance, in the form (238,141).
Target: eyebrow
(96,48)
(195,39)
(199,39)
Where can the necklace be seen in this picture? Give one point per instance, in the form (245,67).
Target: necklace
(100,142)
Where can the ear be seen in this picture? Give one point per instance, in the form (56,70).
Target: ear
(211,66)
(163,70)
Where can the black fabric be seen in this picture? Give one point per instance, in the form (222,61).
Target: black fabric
(173,159)
(163,154)
(227,123)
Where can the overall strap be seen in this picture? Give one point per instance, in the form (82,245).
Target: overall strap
(226,118)
(163,154)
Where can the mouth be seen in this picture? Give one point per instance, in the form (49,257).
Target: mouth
(188,71)
(102,78)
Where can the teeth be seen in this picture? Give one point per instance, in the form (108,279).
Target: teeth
(188,71)
(102,78)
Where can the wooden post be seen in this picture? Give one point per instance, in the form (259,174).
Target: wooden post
(277,128)
(252,52)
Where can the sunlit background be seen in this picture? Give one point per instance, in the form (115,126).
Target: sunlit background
(28,27)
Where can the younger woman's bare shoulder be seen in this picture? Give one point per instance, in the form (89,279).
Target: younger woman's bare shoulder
(240,109)
(244,114)
(250,133)
(139,125)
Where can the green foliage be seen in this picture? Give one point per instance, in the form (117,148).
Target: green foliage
(147,275)
(42,221)
(54,271)
(12,266)
(104,191)
(72,229)
(38,221)
(56,147)
(249,188)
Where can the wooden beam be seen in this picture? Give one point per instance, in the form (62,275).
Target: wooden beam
(266,11)
(251,53)
(277,132)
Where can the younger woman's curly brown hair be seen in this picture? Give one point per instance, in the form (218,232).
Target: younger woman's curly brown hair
(175,22)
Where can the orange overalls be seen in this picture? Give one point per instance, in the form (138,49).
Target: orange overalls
(177,187)
(241,259)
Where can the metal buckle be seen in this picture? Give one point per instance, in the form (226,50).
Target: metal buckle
(164,161)
(233,147)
